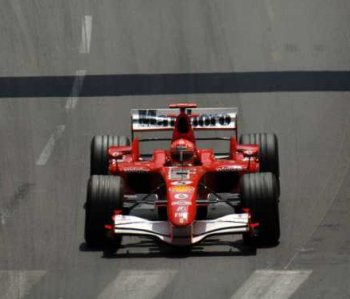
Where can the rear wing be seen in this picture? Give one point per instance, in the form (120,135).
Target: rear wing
(146,120)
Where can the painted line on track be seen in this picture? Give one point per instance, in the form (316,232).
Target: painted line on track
(267,284)
(19,196)
(138,284)
(77,85)
(86,29)
(49,147)
(17,284)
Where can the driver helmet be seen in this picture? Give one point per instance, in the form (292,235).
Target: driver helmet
(182,151)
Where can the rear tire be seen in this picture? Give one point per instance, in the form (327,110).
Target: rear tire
(268,150)
(259,193)
(99,151)
(104,195)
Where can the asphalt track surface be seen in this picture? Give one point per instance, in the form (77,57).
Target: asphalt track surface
(44,150)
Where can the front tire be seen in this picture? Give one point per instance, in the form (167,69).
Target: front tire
(104,195)
(259,193)
(99,152)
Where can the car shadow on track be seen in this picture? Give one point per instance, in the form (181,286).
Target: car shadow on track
(148,248)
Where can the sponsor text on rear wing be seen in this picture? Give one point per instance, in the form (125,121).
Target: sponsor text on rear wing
(145,120)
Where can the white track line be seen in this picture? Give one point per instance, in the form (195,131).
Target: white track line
(17,284)
(134,284)
(270,284)
(46,153)
(77,85)
(86,28)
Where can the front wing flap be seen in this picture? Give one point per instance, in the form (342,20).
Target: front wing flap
(181,236)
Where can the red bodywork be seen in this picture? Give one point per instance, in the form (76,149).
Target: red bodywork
(182,181)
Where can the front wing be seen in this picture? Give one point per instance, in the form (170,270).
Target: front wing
(181,236)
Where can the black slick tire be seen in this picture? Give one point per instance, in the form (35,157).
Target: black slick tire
(104,195)
(268,150)
(259,193)
(99,152)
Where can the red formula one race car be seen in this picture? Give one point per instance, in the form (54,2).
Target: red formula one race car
(180,182)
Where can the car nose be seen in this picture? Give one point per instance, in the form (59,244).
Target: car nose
(181,205)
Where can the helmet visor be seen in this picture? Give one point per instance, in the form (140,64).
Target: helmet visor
(182,155)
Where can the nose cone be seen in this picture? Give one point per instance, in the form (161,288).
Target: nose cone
(181,205)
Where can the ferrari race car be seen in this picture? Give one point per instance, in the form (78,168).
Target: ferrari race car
(181,181)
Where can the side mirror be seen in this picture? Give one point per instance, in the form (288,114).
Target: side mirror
(248,154)
(116,155)
(248,150)
(117,152)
